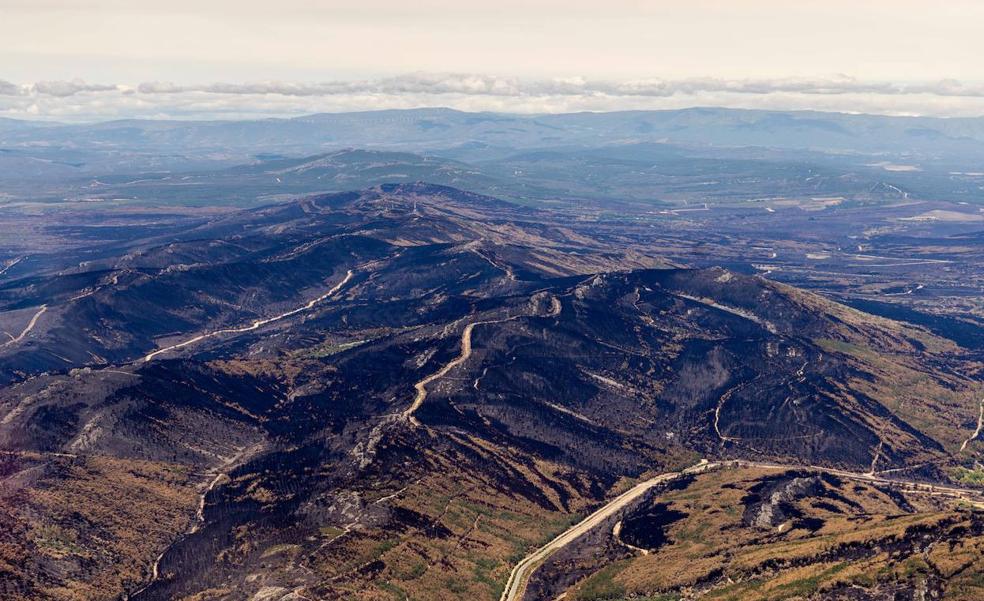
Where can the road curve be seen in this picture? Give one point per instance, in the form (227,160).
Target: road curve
(967,494)
(521,573)
(256,324)
(221,472)
(977,432)
(27,330)
(466,351)
(516,585)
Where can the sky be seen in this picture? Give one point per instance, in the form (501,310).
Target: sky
(101,59)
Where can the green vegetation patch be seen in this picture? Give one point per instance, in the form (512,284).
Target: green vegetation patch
(601,585)
(807,586)
(397,592)
(57,541)
(969,476)
(330,348)
(278,549)
(840,346)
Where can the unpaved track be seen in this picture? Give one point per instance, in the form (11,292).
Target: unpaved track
(256,324)
(977,432)
(10,264)
(221,472)
(27,330)
(969,495)
(717,411)
(466,351)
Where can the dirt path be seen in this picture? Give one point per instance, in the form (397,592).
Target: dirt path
(733,310)
(617,535)
(10,264)
(256,324)
(977,432)
(221,473)
(466,351)
(504,267)
(967,494)
(27,330)
(876,455)
(717,411)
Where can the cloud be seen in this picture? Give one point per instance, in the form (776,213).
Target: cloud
(63,89)
(9,89)
(411,84)
(77,100)
(485,85)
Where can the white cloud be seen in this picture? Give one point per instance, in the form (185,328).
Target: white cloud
(63,89)
(78,100)
(10,89)
(484,85)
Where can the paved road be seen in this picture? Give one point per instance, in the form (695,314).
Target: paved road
(518,579)
(516,585)
(256,324)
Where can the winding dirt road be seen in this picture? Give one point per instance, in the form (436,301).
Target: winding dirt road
(27,330)
(10,264)
(256,324)
(221,472)
(466,351)
(977,432)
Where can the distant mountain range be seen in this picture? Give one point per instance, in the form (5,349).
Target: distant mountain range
(467,134)
(652,157)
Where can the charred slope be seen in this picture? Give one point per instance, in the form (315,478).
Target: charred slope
(263,262)
(605,376)
(224,274)
(599,377)
(474,377)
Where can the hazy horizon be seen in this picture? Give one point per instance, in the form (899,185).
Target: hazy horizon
(250,114)
(107,59)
